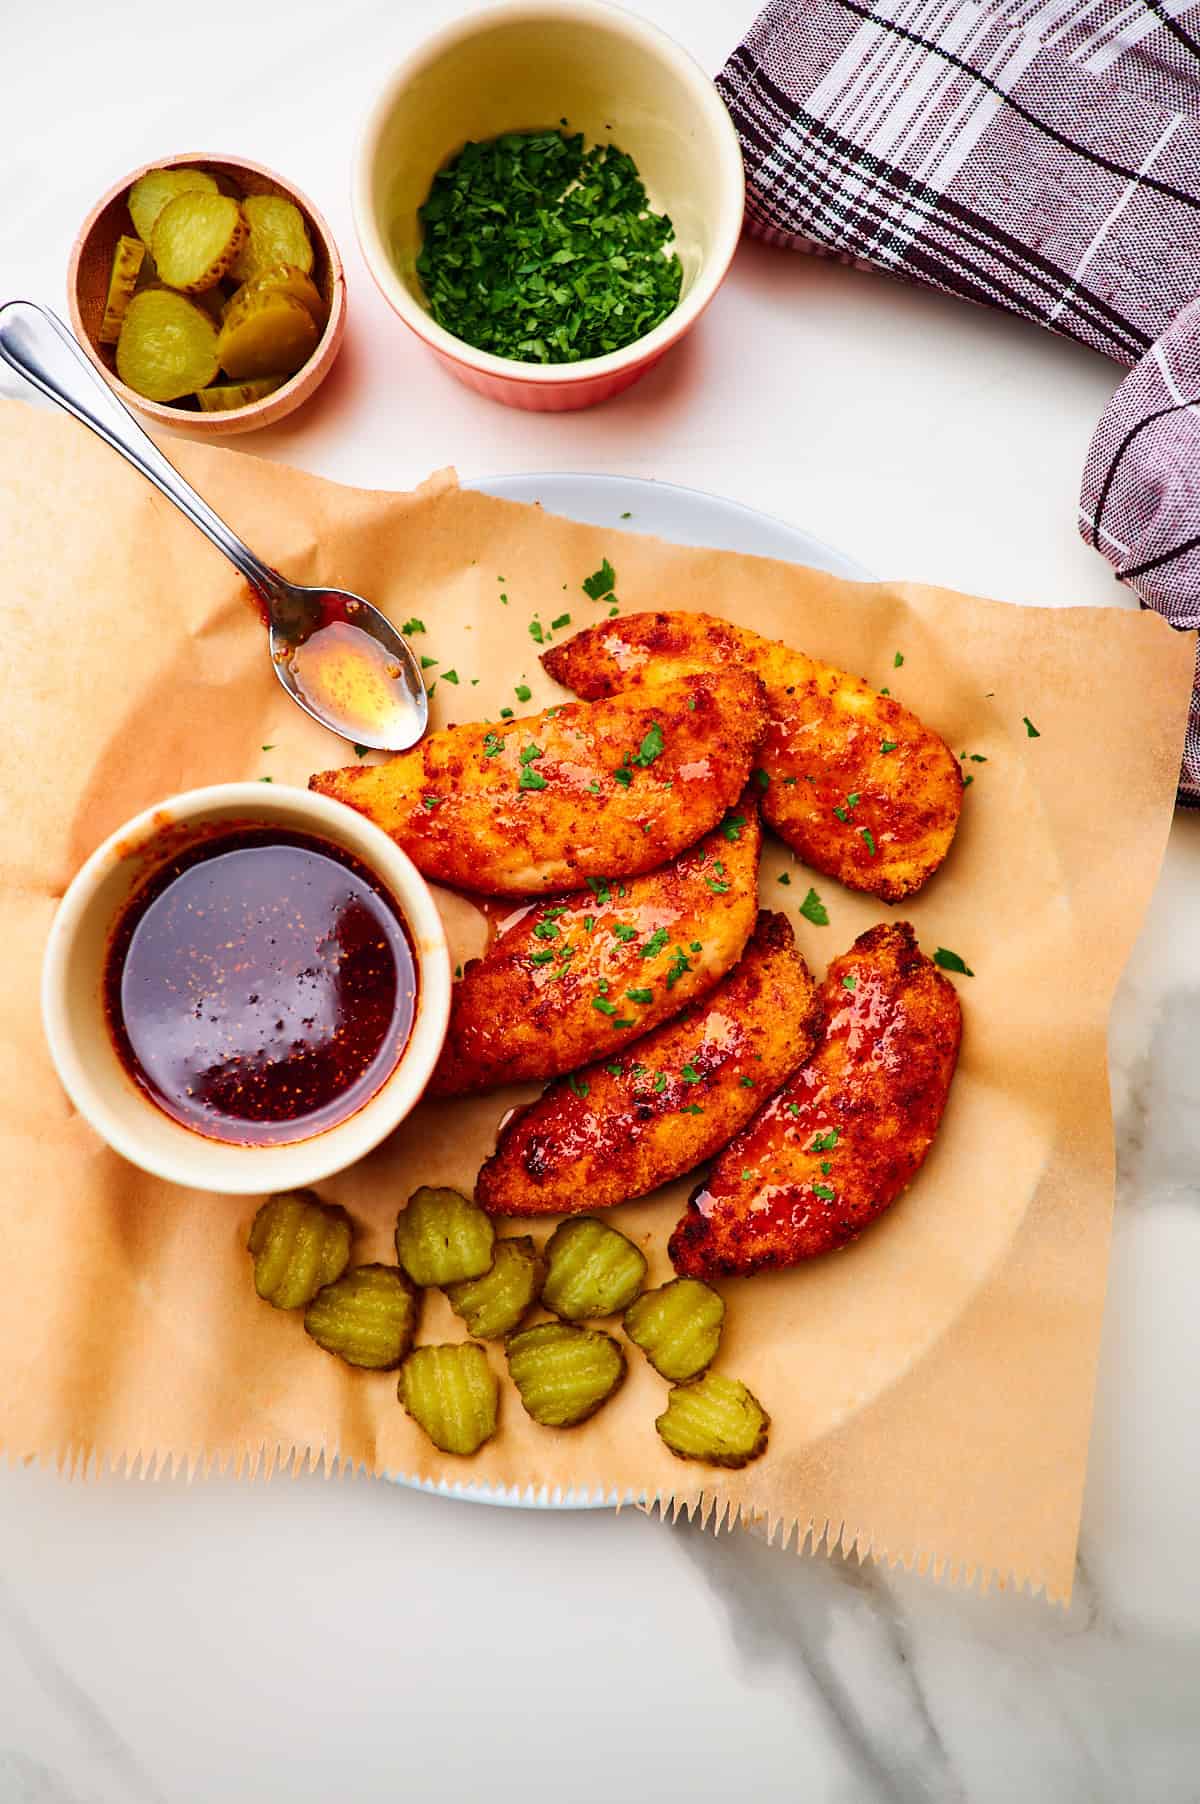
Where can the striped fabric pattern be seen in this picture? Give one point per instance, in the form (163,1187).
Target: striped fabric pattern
(1037,155)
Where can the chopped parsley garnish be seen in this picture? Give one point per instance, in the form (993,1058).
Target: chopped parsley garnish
(627,515)
(642,996)
(732,826)
(428,663)
(717,888)
(271,748)
(360,751)
(888,745)
(897,660)
(622,1021)
(824,1192)
(814,910)
(680,966)
(546,930)
(655,943)
(696,946)
(506,713)
(950,961)
(594,789)
(623,777)
(1030,729)
(792,1108)
(600,888)
(450,676)
(978,757)
(266,779)
(850,983)
(530,778)
(522,692)
(690,1075)
(824,1143)
(542,958)
(613,1070)
(841,814)
(968,780)
(600,583)
(589,921)
(826,1167)
(852,801)
(458,971)
(868,839)
(563,620)
(624,931)
(531,753)
(536,633)
(660,1083)
(604,1005)
(492,744)
(433,801)
(783,878)
(747,1174)
(747,1083)
(650,748)
(576,1085)
(413,626)
(691,1108)
(762,778)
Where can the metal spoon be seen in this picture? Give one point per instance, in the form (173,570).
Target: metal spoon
(336,655)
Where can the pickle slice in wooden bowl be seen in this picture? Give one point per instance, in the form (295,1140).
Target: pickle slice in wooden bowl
(128,259)
(285,278)
(278,234)
(196,239)
(151,192)
(168,346)
(222,397)
(266,334)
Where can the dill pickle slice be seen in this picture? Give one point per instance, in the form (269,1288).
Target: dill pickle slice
(443,1238)
(126,267)
(678,1327)
(151,192)
(298,1243)
(493,1305)
(285,278)
(592,1270)
(268,334)
(367,1317)
(278,234)
(564,1373)
(168,346)
(195,240)
(452,1394)
(716,1420)
(225,396)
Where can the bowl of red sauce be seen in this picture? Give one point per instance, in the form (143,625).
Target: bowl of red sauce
(246,989)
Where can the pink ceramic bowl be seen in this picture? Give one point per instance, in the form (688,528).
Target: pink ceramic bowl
(524,65)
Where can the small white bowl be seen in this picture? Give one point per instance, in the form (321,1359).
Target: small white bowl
(80,1042)
(523,66)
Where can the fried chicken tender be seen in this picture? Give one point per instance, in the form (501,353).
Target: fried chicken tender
(587,789)
(836,1146)
(580,976)
(855,784)
(619,1129)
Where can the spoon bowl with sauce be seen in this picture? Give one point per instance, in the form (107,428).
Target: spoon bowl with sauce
(246,990)
(337,656)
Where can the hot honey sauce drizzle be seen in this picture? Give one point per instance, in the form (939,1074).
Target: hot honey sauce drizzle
(261,986)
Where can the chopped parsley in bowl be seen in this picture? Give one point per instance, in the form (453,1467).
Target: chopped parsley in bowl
(538,249)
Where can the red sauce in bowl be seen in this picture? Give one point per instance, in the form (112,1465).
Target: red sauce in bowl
(261,986)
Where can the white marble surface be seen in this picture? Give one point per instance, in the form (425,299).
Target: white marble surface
(167,1642)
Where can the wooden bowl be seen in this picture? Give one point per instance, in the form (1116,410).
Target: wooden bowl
(91,265)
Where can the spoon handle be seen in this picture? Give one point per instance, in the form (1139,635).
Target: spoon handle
(35,343)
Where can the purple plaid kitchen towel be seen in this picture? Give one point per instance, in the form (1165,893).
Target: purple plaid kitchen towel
(1037,155)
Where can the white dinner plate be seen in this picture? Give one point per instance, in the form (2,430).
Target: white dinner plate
(688,517)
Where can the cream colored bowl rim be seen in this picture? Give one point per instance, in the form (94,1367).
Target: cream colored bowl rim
(709,106)
(249,1168)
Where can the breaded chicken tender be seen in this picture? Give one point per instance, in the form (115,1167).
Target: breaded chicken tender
(837,1145)
(619,1129)
(857,785)
(587,789)
(579,976)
